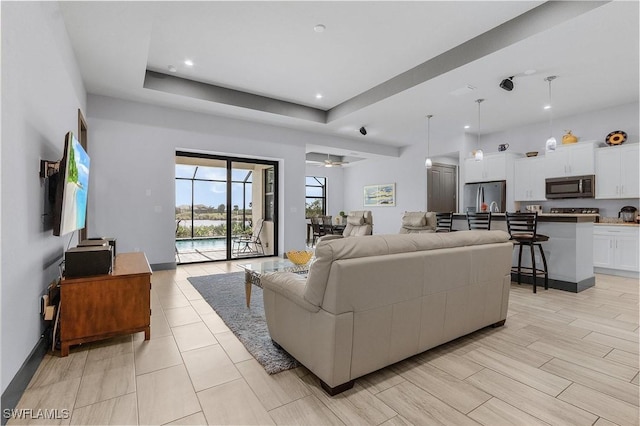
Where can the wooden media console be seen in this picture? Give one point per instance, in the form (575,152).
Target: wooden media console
(102,306)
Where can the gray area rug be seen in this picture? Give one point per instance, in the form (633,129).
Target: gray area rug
(225,294)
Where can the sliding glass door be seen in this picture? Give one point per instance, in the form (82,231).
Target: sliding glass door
(224,208)
(201,213)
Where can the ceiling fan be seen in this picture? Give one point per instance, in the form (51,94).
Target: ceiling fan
(333,163)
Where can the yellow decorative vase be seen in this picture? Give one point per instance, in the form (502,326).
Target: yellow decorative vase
(569,138)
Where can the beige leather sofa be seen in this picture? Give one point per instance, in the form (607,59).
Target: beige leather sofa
(369,302)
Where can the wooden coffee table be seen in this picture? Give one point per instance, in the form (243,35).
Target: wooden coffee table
(253,272)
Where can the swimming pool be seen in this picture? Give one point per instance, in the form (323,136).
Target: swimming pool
(201,244)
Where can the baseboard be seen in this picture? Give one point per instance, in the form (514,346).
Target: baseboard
(12,394)
(573,287)
(617,272)
(163,266)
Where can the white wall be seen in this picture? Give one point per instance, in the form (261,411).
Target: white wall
(41,94)
(406,171)
(595,125)
(132,190)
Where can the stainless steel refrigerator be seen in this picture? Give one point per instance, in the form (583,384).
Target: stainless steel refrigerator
(493,194)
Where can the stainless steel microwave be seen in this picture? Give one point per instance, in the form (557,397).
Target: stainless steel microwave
(571,187)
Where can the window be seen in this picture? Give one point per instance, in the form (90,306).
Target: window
(315,196)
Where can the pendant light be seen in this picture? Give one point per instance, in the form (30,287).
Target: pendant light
(479,155)
(551,142)
(428,163)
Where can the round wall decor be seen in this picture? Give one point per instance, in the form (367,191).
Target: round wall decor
(616,137)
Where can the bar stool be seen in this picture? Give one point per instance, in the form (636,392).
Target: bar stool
(444,222)
(479,220)
(522,228)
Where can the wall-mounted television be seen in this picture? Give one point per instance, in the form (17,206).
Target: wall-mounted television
(70,209)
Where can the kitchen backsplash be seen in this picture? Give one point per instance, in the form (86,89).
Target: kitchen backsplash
(608,208)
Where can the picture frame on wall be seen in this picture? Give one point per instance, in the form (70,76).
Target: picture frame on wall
(380,195)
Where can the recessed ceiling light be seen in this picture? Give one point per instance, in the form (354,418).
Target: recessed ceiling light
(547,107)
(188,63)
(172,68)
(318,95)
(529,72)
(467,126)
(319,28)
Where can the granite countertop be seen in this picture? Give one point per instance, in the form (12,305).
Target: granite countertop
(616,223)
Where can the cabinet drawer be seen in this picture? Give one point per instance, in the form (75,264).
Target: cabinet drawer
(628,230)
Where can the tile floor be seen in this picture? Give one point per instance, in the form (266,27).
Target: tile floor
(561,359)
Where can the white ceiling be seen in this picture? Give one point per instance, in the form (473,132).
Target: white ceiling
(271,49)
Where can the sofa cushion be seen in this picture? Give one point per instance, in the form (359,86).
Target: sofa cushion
(415,229)
(414,219)
(355,220)
(418,222)
(431,219)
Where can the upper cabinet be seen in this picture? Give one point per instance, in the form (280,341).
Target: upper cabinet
(497,166)
(570,160)
(529,179)
(617,174)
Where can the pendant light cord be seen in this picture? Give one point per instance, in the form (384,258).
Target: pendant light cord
(550,111)
(479,101)
(550,79)
(429,134)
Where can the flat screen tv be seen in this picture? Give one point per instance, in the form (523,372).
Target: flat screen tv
(70,209)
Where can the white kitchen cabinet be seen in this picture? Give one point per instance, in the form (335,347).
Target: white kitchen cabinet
(529,179)
(495,166)
(570,160)
(473,170)
(616,247)
(617,172)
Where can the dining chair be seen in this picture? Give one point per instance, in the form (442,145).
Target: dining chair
(327,226)
(316,228)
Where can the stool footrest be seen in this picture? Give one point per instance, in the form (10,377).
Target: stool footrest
(528,271)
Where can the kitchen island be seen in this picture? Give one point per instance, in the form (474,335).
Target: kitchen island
(569,251)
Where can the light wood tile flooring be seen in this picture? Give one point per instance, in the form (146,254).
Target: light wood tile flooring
(560,359)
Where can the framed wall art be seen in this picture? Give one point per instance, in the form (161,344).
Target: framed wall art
(380,195)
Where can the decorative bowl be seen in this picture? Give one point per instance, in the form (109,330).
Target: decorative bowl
(569,138)
(299,257)
(532,154)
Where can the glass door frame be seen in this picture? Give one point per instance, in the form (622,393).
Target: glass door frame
(229,162)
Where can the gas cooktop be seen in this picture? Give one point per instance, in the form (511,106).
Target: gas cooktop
(574,210)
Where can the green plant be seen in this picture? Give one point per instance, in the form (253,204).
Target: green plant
(342,214)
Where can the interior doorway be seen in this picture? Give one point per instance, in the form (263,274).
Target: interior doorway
(442,184)
(225,208)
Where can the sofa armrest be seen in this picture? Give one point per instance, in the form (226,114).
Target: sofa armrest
(329,237)
(290,286)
